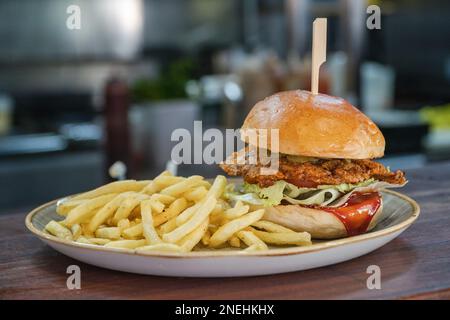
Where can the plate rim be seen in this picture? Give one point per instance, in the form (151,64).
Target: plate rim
(231,253)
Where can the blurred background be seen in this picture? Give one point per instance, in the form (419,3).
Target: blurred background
(74,101)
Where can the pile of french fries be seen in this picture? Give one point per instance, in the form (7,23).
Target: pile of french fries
(168,213)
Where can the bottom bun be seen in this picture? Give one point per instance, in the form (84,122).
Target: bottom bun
(319,223)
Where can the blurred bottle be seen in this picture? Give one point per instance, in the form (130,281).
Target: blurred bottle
(117,146)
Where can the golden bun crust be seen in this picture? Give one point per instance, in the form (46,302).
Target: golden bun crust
(316,126)
(319,223)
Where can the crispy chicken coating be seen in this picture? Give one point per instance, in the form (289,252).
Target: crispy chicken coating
(311,173)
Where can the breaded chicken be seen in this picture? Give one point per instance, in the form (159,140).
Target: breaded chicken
(310,173)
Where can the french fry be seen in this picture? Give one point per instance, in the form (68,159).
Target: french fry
(219,220)
(252,248)
(217,188)
(235,242)
(205,184)
(217,211)
(165,182)
(86,210)
(187,214)
(133,231)
(107,211)
(157,205)
(236,212)
(153,186)
(112,233)
(126,244)
(99,241)
(196,194)
(227,230)
(182,186)
(212,227)
(64,207)
(297,238)
(76,231)
(113,187)
(251,240)
(123,224)
(168,226)
(270,226)
(58,230)
(215,191)
(127,205)
(189,241)
(174,209)
(195,221)
(147,223)
(84,240)
(205,238)
(217,216)
(163,198)
(224,204)
(159,247)
(85,232)
(135,213)
(162,181)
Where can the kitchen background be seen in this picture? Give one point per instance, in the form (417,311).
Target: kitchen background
(72,102)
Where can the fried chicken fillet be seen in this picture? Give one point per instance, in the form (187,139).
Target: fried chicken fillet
(311,173)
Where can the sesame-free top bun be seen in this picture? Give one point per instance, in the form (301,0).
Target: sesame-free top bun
(316,126)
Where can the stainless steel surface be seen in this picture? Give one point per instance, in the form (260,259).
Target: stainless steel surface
(37,30)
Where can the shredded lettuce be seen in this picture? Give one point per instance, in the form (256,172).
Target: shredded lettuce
(321,197)
(251,198)
(282,190)
(346,187)
(272,195)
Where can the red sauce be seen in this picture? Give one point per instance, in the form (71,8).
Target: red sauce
(357,212)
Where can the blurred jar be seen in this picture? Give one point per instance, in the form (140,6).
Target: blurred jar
(6,109)
(377,86)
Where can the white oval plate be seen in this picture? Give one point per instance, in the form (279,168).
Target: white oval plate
(398,214)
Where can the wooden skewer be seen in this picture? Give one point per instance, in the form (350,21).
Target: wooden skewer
(319,51)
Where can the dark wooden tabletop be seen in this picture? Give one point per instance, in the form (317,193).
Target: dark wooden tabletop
(416,265)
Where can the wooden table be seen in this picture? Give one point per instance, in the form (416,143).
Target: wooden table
(416,265)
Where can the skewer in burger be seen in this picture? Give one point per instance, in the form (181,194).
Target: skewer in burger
(327,183)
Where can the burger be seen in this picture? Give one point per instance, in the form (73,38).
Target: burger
(326,182)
